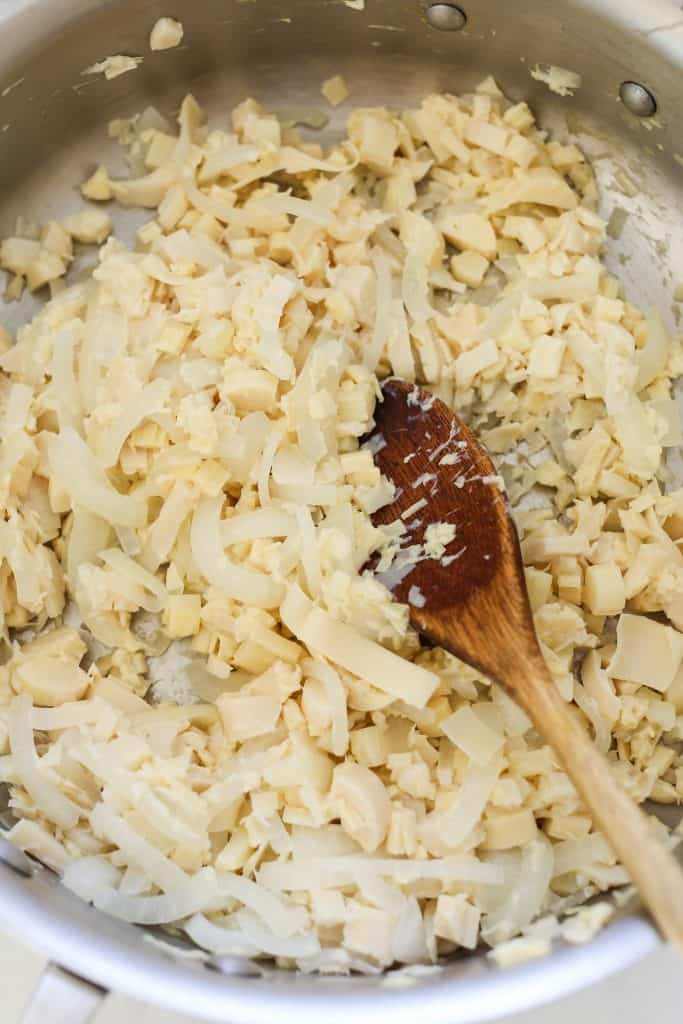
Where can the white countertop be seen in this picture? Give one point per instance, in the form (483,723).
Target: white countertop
(653,990)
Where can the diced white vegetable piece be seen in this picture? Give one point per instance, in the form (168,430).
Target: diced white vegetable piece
(166,34)
(473,736)
(636,435)
(49,681)
(246,716)
(369,931)
(346,647)
(471,362)
(653,355)
(545,360)
(667,410)
(335,90)
(363,804)
(182,615)
(457,920)
(112,67)
(509,829)
(469,267)
(98,186)
(604,590)
(250,389)
(489,136)
(647,652)
(375,136)
(600,687)
(17,254)
(469,231)
(89,226)
(559,80)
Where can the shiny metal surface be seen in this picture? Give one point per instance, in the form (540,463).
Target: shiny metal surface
(53,133)
(446,17)
(638,99)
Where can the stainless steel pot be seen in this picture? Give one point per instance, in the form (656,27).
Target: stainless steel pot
(53,131)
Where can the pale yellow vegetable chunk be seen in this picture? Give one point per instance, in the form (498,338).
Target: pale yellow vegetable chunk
(648,652)
(545,360)
(98,186)
(474,360)
(48,681)
(505,830)
(469,267)
(470,231)
(166,34)
(604,589)
(89,226)
(472,735)
(335,90)
(457,920)
(244,717)
(182,615)
(363,802)
(354,652)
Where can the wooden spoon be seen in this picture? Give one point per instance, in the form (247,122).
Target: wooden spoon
(473,602)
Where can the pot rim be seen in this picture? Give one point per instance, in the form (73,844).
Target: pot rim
(199,991)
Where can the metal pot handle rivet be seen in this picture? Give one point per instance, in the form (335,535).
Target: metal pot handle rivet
(637,99)
(446,17)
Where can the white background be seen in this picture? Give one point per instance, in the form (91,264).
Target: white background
(650,992)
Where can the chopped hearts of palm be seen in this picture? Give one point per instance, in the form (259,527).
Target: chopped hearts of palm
(210,716)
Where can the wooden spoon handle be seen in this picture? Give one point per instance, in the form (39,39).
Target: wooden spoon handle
(653,868)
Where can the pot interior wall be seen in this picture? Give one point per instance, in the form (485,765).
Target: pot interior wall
(53,118)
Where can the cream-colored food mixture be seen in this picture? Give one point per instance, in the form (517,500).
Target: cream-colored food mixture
(295,775)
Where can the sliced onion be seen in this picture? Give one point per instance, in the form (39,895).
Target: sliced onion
(84,480)
(161,871)
(45,795)
(234,580)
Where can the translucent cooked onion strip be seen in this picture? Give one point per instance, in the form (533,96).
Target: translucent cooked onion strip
(196,894)
(336,696)
(262,522)
(66,395)
(233,580)
(45,794)
(526,897)
(165,528)
(160,870)
(473,795)
(68,716)
(243,934)
(79,473)
(307,209)
(284,920)
(383,297)
(336,872)
(148,401)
